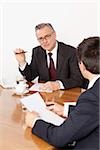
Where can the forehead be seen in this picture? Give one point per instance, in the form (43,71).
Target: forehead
(43,31)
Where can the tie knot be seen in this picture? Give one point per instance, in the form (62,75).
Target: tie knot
(50,54)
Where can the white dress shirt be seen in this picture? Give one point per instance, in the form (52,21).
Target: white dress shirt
(54,55)
(91,82)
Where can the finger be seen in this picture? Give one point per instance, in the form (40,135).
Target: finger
(50,106)
(18,50)
(49,103)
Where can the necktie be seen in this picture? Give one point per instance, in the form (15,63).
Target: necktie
(52,70)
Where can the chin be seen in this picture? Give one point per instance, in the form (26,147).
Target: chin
(47,48)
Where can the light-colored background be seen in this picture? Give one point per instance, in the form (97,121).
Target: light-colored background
(72,20)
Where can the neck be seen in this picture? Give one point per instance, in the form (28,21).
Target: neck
(90,76)
(52,47)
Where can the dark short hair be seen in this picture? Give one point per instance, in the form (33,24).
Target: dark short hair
(42,25)
(88,53)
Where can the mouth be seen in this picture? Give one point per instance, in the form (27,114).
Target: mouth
(45,45)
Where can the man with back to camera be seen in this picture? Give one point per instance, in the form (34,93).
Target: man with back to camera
(66,72)
(80,131)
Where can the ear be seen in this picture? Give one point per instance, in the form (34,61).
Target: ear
(82,68)
(54,34)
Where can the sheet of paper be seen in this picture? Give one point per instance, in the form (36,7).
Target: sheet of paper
(35,102)
(51,117)
(70,103)
(36,87)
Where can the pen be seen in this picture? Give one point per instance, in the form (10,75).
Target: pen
(21,52)
(49,105)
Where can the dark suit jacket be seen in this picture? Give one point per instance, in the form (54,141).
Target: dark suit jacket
(81,126)
(67,66)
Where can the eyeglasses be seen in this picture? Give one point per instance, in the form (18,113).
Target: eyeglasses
(46,37)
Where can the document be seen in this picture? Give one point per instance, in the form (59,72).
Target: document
(35,102)
(36,87)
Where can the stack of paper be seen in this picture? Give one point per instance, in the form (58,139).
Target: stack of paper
(35,102)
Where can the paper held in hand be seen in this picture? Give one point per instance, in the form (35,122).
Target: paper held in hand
(35,102)
(36,87)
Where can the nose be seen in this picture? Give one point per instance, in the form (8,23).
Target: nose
(44,41)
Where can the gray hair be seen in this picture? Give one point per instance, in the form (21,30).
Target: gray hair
(42,25)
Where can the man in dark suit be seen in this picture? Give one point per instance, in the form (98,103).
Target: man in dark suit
(80,131)
(67,73)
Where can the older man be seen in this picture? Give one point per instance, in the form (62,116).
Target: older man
(55,63)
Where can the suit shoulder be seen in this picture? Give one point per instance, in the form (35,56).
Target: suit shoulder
(95,87)
(92,92)
(66,46)
(37,49)
(66,49)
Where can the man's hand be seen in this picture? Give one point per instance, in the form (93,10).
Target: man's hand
(50,86)
(55,107)
(20,56)
(30,118)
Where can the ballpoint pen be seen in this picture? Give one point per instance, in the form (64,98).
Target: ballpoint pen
(21,52)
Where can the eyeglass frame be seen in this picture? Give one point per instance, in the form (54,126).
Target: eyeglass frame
(46,37)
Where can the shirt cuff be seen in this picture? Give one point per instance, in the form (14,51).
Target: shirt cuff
(61,84)
(33,123)
(22,67)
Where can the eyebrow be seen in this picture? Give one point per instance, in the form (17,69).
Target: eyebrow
(45,35)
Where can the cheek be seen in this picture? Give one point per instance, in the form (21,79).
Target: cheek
(52,43)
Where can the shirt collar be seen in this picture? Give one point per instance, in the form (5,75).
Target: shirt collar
(91,83)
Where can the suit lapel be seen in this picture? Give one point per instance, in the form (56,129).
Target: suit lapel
(44,63)
(60,59)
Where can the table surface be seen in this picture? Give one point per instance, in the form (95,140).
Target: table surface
(13,134)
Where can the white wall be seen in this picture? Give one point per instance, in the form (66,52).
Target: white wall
(72,21)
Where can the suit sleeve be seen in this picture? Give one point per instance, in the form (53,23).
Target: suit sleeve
(80,123)
(71,108)
(30,72)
